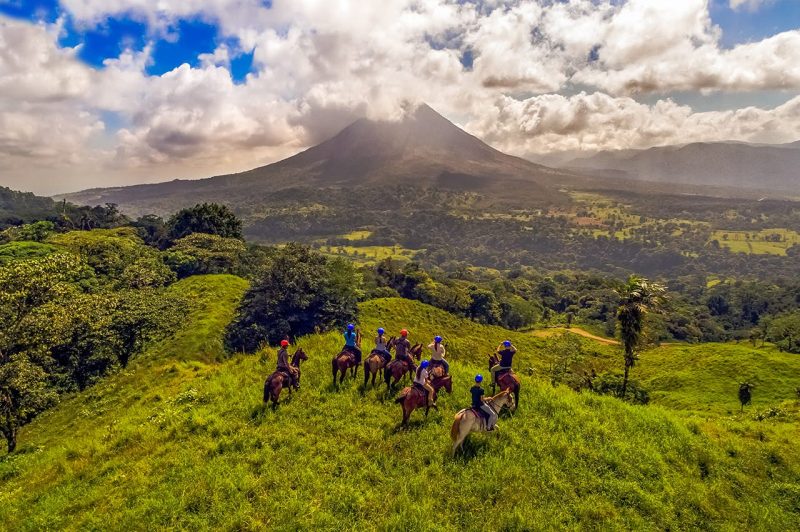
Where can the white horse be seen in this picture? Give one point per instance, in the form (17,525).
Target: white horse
(467,421)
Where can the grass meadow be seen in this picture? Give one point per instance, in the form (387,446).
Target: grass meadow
(180,440)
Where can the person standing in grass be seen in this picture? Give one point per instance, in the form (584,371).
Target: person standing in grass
(438,353)
(381,347)
(351,342)
(506,350)
(478,402)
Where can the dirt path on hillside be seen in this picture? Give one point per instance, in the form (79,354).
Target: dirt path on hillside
(575,330)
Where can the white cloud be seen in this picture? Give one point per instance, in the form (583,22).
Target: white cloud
(319,65)
(598,121)
(750,5)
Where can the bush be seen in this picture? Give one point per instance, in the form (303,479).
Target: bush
(209,218)
(611,384)
(201,253)
(299,292)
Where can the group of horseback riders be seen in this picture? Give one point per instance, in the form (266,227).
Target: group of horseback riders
(422,374)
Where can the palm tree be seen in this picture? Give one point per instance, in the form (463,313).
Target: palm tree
(638,297)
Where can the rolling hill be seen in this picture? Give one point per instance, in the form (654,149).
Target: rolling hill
(422,150)
(721,164)
(179,440)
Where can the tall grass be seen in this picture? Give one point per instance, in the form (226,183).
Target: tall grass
(181,440)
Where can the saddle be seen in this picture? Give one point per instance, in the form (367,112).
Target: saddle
(480,413)
(420,387)
(285,373)
(504,372)
(438,364)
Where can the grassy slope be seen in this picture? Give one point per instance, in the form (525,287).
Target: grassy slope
(180,440)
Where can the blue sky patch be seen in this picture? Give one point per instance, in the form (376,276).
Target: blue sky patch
(743,25)
(189,39)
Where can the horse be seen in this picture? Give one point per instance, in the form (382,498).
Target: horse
(506,378)
(345,360)
(411,398)
(375,362)
(469,420)
(438,378)
(397,369)
(279,379)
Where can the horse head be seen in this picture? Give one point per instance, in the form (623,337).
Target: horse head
(416,351)
(493,360)
(299,356)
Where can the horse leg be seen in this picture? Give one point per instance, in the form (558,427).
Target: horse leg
(335,367)
(366,375)
(266,390)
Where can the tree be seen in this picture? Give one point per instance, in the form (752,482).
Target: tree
(783,331)
(153,230)
(745,394)
(299,291)
(638,297)
(201,253)
(23,394)
(210,218)
(567,352)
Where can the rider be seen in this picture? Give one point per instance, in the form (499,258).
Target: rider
(381,347)
(506,350)
(284,366)
(401,347)
(350,342)
(438,352)
(421,378)
(478,402)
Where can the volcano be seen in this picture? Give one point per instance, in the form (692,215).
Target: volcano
(424,149)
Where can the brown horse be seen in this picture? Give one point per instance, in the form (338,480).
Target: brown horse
(375,362)
(411,398)
(279,380)
(439,379)
(468,420)
(398,369)
(507,379)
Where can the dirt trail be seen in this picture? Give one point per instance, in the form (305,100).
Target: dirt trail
(575,330)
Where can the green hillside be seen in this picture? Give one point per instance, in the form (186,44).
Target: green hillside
(180,440)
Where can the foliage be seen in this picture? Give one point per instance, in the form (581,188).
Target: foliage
(615,384)
(23,394)
(784,332)
(299,292)
(118,256)
(24,250)
(152,230)
(567,352)
(210,218)
(638,297)
(201,253)
(32,232)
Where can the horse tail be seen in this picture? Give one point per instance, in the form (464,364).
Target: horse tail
(402,397)
(456,428)
(266,389)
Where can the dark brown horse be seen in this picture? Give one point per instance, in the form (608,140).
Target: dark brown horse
(438,378)
(411,398)
(397,369)
(279,380)
(345,360)
(506,379)
(375,362)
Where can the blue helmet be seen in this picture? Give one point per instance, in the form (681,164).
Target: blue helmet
(438,339)
(478,377)
(381,331)
(424,364)
(350,326)
(507,343)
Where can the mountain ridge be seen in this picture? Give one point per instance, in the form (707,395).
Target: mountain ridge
(424,149)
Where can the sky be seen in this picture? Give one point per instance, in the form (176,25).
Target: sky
(98,93)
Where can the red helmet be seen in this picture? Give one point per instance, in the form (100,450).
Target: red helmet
(284,343)
(404,333)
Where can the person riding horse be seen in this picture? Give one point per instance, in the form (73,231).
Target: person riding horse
(479,403)
(285,367)
(401,347)
(421,379)
(351,342)
(382,347)
(437,354)
(506,350)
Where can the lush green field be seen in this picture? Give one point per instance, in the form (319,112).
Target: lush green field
(765,241)
(369,254)
(180,440)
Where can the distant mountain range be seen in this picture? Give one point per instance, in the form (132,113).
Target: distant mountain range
(422,150)
(720,164)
